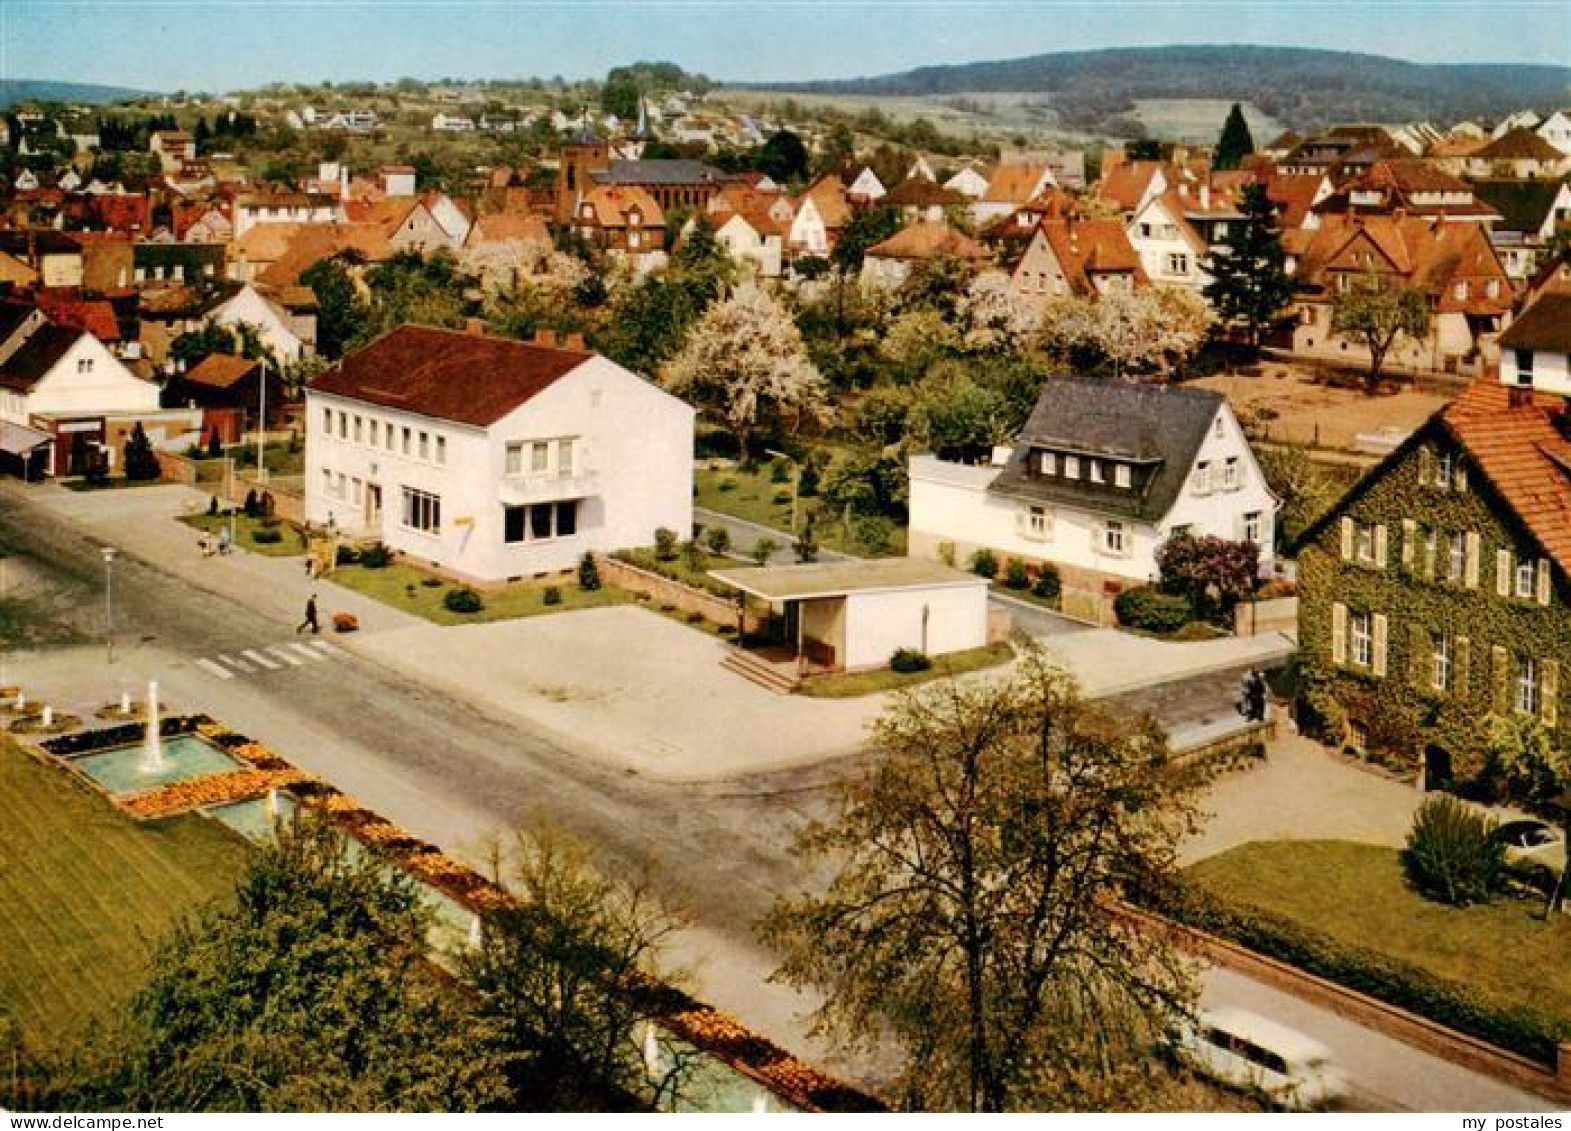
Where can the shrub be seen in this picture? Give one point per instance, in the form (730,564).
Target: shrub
(215,450)
(1016,576)
(551,596)
(727,484)
(375,556)
(946,553)
(347,555)
(1048,586)
(984,563)
(1452,854)
(873,532)
(588,573)
(718,539)
(1151,610)
(782,498)
(779,472)
(431,582)
(693,556)
(762,550)
(908,660)
(806,545)
(267,535)
(665,544)
(462,600)
(212,506)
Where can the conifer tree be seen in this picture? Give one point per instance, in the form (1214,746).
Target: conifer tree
(1235,143)
(1249,281)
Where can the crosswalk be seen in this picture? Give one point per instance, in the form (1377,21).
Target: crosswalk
(266,658)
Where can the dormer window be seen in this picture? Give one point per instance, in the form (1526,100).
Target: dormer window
(1121,476)
(1524,367)
(1047,463)
(1095,468)
(1071,467)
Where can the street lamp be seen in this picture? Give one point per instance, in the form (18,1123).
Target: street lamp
(229,496)
(109,603)
(261,427)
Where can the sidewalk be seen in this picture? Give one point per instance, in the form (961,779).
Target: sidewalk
(1109,662)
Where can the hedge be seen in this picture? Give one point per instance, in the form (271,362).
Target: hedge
(1528,1032)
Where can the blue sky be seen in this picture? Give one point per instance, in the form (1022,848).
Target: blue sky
(229,44)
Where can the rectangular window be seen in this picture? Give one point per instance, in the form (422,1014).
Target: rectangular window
(343,486)
(1047,463)
(1527,685)
(327,421)
(1445,466)
(422,511)
(567,518)
(1440,667)
(564,457)
(373,437)
(539,457)
(406,439)
(1096,471)
(515,525)
(1360,638)
(327,482)
(343,425)
(1456,556)
(354,491)
(1036,522)
(359,430)
(1203,478)
(1071,467)
(441,449)
(1252,527)
(1115,538)
(1121,476)
(540,525)
(513,464)
(1230,474)
(1526,577)
(1524,367)
(1364,543)
(425,445)
(1177,263)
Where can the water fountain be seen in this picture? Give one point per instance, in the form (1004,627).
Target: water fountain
(49,717)
(153,748)
(125,703)
(21,702)
(272,803)
(475,929)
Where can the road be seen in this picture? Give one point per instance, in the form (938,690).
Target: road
(455,775)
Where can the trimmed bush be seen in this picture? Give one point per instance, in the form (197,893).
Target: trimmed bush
(718,539)
(1452,854)
(551,596)
(762,550)
(347,555)
(873,532)
(1048,586)
(1016,576)
(666,544)
(909,660)
(1532,1033)
(588,573)
(267,535)
(984,563)
(463,600)
(376,556)
(1151,610)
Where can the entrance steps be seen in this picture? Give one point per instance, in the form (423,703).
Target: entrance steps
(779,678)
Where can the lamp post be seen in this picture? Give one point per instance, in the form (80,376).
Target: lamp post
(261,426)
(229,495)
(109,603)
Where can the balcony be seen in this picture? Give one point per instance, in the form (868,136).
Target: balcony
(548,486)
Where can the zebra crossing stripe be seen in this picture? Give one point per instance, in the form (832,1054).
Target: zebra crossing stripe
(238,665)
(256,657)
(215,669)
(306,651)
(285,655)
(324,647)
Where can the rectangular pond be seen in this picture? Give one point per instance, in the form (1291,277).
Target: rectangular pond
(127,769)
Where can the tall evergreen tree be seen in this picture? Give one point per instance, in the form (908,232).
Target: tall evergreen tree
(1249,280)
(1235,143)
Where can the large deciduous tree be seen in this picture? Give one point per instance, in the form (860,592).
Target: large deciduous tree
(1132,333)
(1249,284)
(971,914)
(744,359)
(1377,316)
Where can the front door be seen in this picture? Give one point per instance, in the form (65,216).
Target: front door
(373,506)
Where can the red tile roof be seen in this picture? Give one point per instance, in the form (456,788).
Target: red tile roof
(448,374)
(220,371)
(1519,443)
(96,317)
(1520,144)
(929,241)
(1089,248)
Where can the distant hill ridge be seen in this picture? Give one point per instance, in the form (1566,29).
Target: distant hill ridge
(16,91)
(1302,87)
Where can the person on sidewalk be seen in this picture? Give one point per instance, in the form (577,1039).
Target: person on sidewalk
(223,541)
(310,617)
(1257,697)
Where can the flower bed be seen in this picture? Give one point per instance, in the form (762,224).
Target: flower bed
(34,724)
(215,789)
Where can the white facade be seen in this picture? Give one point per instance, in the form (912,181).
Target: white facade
(934,620)
(272,325)
(1545,370)
(808,233)
(757,250)
(450,218)
(600,452)
(1168,250)
(1556,130)
(1224,495)
(968,182)
(87,380)
(867,185)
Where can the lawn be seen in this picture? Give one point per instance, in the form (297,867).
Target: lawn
(404,587)
(113,483)
(291,541)
(83,890)
(1356,894)
(851,684)
(755,496)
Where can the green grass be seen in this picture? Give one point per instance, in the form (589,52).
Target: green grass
(754,495)
(402,586)
(851,684)
(1357,894)
(84,890)
(291,544)
(114,483)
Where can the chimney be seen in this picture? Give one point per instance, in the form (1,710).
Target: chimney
(1183,191)
(574,341)
(1520,396)
(544,337)
(474,327)
(1205,196)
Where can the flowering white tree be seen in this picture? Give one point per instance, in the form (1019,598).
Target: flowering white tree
(744,359)
(510,265)
(1148,331)
(996,318)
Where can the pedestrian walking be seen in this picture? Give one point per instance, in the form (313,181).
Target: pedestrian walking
(223,540)
(310,617)
(1257,697)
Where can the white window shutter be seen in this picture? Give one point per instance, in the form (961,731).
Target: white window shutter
(1503,573)
(1541,588)
(1426,467)
(1470,560)
(1409,542)
(1338,633)
(1549,692)
(1460,476)
(1382,545)
(1378,664)
(1347,538)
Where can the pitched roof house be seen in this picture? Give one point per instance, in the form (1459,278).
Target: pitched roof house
(890,262)
(1082,257)
(1100,476)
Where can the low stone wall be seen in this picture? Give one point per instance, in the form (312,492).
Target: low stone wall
(667,592)
(1400,1024)
(176,468)
(1279,614)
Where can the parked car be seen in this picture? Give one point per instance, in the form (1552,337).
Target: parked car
(1533,849)
(1249,1051)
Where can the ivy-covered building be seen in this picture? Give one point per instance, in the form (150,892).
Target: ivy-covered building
(1435,598)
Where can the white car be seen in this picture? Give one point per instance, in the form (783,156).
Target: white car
(1249,1051)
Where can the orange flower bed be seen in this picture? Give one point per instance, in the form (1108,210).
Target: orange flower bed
(216,789)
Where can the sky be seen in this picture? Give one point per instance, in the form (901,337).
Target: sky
(219,45)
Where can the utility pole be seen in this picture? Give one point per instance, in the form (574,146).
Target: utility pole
(109,603)
(261,427)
